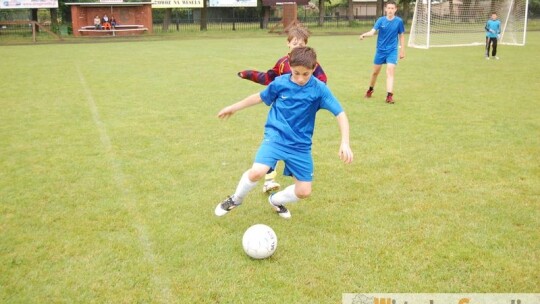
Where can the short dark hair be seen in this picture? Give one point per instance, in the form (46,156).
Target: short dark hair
(391,2)
(303,56)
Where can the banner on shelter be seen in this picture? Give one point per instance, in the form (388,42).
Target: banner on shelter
(176,3)
(232,3)
(24,4)
(280,2)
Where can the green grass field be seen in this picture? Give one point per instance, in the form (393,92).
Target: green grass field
(112,161)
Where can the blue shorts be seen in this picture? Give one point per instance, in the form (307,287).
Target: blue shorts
(297,163)
(382,57)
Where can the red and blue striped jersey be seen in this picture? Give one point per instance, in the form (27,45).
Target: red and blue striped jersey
(282,67)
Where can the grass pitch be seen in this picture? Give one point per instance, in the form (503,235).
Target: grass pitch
(112,161)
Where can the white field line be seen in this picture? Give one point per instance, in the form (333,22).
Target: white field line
(127,195)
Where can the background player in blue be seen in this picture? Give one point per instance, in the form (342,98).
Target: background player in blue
(390,28)
(493,31)
(294,100)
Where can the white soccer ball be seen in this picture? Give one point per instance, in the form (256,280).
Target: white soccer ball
(259,241)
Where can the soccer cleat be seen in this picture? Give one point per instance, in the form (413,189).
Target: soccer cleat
(280,209)
(390,99)
(496,57)
(224,207)
(270,186)
(368,93)
(487,57)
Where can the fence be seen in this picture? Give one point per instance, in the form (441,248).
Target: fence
(22,31)
(247,24)
(27,30)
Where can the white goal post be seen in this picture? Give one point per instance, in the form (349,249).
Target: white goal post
(444,23)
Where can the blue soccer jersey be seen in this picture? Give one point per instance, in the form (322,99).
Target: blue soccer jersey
(387,39)
(493,28)
(291,118)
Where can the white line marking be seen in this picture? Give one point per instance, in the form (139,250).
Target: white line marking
(127,195)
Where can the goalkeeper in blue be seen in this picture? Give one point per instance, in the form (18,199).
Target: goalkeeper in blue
(293,100)
(493,33)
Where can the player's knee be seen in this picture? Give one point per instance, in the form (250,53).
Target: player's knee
(255,175)
(303,192)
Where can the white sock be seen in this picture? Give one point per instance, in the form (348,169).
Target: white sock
(243,188)
(285,196)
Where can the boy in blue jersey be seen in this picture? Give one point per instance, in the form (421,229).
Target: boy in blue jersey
(294,100)
(391,29)
(493,31)
(297,36)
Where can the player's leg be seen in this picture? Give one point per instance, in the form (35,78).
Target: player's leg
(488,42)
(378,61)
(247,182)
(373,79)
(390,72)
(494,46)
(291,194)
(391,62)
(376,71)
(270,185)
(302,189)
(300,166)
(265,158)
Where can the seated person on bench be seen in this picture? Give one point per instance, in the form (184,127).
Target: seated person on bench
(97,22)
(106,25)
(113,21)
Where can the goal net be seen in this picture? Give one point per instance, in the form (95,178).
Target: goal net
(444,23)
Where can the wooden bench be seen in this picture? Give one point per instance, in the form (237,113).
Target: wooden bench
(124,28)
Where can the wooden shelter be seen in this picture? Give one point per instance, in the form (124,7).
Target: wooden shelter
(133,18)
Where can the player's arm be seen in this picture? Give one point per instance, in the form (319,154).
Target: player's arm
(488,29)
(402,45)
(263,78)
(319,73)
(245,103)
(345,152)
(367,34)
